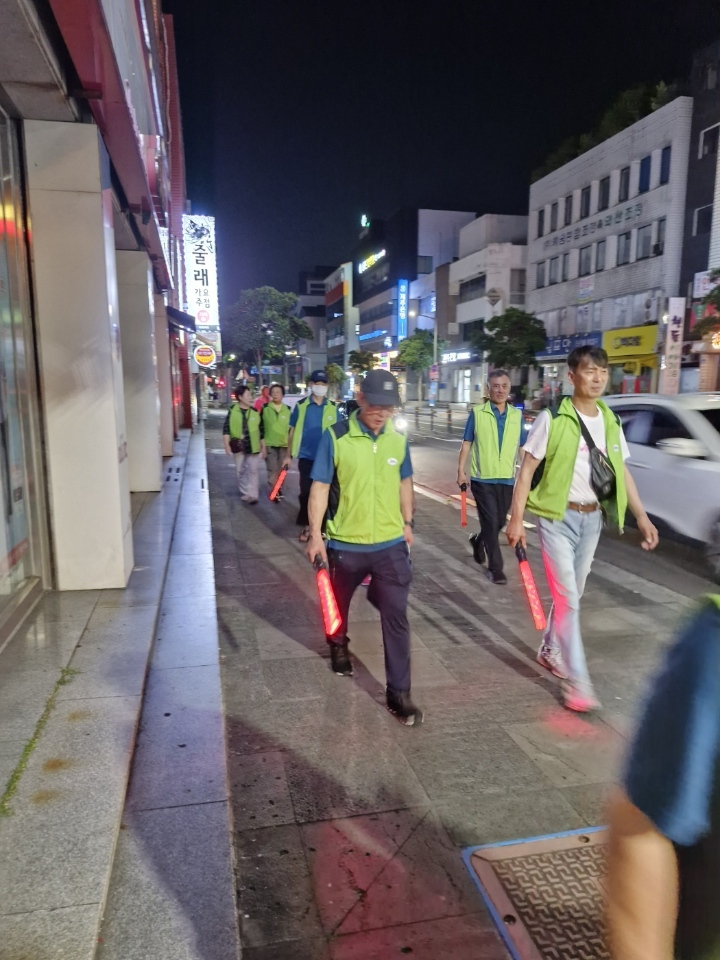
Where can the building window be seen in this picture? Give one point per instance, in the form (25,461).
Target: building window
(644,242)
(585,261)
(709,141)
(702,220)
(600,256)
(585,203)
(540,276)
(623,250)
(665,157)
(541,222)
(424,265)
(554,271)
(554,217)
(565,266)
(624,192)
(568,210)
(517,287)
(644,181)
(660,245)
(472,289)
(604,194)
(711,75)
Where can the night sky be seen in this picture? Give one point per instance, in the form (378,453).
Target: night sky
(300,116)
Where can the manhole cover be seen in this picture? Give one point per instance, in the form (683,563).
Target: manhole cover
(546,894)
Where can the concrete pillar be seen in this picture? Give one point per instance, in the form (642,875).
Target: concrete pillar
(162,349)
(73,254)
(142,400)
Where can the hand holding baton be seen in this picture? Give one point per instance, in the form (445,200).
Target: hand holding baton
(328,604)
(528,580)
(279,482)
(463,504)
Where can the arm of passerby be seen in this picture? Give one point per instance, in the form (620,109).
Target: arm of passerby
(226,434)
(515,531)
(407,504)
(642,885)
(646,527)
(462,476)
(288,459)
(317,507)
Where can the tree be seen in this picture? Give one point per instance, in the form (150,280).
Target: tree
(416,354)
(335,375)
(263,324)
(360,361)
(511,340)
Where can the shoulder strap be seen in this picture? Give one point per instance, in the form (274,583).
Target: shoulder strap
(585,432)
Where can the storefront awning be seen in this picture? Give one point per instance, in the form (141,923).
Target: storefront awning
(184,321)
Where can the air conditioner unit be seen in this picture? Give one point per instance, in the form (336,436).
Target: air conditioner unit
(453,329)
(658,249)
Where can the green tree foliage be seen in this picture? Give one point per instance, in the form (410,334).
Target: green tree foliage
(262,325)
(629,107)
(511,340)
(360,361)
(335,375)
(416,354)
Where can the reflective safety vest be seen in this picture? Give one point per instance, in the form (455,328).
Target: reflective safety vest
(277,424)
(253,422)
(489,462)
(329,417)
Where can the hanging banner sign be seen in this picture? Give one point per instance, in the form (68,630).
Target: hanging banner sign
(204,356)
(201,285)
(670,371)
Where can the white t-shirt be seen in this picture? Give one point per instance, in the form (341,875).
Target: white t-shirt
(581,490)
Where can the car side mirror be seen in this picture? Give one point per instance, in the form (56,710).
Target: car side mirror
(683,447)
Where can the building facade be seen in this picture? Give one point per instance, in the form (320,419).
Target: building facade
(88,405)
(312,354)
(341,319)
(605,247)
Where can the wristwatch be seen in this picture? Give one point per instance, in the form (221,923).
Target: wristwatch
(409,523)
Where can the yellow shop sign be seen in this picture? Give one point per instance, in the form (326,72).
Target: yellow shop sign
(630,341)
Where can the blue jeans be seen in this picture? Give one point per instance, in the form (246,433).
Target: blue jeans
(568,547)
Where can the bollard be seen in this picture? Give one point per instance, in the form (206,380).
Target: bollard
(432,419)
(417,415)
(449,420)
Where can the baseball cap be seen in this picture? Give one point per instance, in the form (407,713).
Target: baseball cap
(318,376)
(380,388)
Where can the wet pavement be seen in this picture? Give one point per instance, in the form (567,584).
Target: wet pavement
(348,826)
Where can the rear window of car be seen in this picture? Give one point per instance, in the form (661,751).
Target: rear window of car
(713,416)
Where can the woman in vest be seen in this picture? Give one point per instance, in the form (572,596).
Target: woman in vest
(243,439)
(275,417)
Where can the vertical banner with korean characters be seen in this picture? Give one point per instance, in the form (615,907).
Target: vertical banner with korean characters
(670,372)
(201,286)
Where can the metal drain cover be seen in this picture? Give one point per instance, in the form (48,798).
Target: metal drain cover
(546,894)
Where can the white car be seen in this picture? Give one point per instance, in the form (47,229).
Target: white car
(675,461)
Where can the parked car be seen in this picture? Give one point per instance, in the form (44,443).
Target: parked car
(675,461)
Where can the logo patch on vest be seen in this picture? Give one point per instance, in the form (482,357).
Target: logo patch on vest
(616,448)
(392,461)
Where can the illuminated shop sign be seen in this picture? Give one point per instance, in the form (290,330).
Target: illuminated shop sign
(456,357)
(371,261)
(402,324)
(373,335)
(201,287)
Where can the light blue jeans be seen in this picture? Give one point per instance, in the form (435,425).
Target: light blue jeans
(568,547)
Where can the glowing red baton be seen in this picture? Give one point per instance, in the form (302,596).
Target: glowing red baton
(528,580)
(463,504)
(278,483)
(328,604)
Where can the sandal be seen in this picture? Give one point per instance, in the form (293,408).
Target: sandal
(305,535)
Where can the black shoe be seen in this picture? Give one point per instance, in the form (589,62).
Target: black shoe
(498,578)
(340,659)
(401,706)
(478,548)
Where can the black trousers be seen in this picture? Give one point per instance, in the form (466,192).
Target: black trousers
(493,502)
(305,468)
(388,592)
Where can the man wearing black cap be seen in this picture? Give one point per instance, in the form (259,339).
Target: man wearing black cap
(363,489)
(310,418)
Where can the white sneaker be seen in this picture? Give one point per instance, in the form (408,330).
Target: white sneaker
(551,659)
(580,699)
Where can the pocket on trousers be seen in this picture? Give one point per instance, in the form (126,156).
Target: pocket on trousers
(401,564)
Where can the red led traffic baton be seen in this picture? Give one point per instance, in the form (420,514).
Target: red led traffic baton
(328,604)
(463,504)
(528,580)
(278,483)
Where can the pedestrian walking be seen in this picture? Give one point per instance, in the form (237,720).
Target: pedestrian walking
(275,417)
(583,451)
(492,433)
(664,849)
(362,480)
(309,419)
(262,399)
(243,439)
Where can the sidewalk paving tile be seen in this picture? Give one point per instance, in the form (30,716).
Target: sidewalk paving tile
(40,934)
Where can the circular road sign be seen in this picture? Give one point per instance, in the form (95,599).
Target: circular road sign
(204,356)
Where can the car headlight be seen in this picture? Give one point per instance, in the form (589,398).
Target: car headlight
(400,423)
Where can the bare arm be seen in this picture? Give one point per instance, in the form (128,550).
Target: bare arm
(645,526)
(407,506)
(317,508)
(515,531)
(462,476)
(288,458)
(642,883)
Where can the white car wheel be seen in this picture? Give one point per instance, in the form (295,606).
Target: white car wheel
(712,548)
